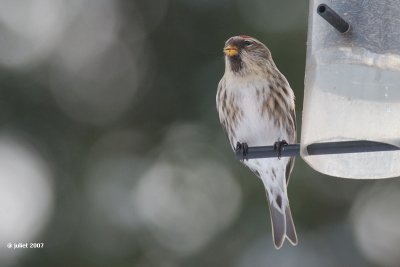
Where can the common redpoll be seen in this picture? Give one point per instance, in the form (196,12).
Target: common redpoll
(256,108)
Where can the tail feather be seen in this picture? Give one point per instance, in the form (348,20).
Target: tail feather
(278,226)
(282,225)
(290,229)
(281,217)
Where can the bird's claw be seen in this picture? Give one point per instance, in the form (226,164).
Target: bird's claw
(279,146)
(243,148)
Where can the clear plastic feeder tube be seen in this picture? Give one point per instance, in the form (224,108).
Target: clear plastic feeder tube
(352,87)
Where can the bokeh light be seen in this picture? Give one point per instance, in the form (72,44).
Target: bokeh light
(95,74)
(114,169)
(185,199)
(185,207)
(26,195)
(376,218)
(98,91)
(30,30)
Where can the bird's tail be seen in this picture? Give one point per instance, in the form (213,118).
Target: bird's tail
(281,221)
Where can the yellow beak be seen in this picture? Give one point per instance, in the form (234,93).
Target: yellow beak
(231,50)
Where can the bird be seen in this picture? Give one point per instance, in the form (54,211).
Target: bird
(256,107)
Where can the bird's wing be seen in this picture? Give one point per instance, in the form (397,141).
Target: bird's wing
(293,116)
(289,166)
(219,92)
(220,100)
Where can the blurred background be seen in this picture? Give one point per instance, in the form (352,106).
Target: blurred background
(111,153)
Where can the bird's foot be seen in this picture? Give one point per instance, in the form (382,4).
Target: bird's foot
(279,147)
(243,148)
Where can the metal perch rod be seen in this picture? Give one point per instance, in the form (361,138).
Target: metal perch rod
(292,150)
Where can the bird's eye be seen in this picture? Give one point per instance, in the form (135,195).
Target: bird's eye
(247,43)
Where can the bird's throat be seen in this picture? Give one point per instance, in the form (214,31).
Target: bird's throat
(235,63)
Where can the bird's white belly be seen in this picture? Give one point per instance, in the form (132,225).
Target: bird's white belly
(257,129)
(254,127)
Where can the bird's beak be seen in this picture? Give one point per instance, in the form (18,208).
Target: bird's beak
(231,50)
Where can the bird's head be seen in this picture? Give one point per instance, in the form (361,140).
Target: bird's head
(245,54)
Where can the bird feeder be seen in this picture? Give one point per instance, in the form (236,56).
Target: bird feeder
(352,86)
